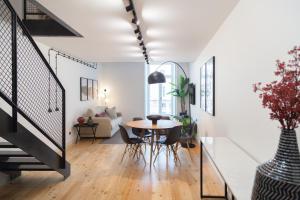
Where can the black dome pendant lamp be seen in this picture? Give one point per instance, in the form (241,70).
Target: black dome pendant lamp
(156,77)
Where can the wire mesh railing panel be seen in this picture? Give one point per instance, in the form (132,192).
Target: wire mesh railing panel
(39,96)
(32,9)
(5,51)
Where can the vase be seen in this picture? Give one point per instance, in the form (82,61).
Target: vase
(279,178)
(90,121)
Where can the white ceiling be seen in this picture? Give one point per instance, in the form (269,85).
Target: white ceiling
(172,29)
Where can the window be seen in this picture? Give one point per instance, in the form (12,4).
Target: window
(158,101)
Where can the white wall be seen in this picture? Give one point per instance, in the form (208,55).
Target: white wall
(69,73)
(246,46)
(125,82)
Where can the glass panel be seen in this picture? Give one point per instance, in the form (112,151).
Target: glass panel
(159,101)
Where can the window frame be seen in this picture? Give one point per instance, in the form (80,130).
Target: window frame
(160,99)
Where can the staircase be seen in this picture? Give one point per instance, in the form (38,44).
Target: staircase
(32,103)
(41,22)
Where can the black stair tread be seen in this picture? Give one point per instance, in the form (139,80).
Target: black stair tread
(23,167)
(7,145)
(14,154)
(23,160)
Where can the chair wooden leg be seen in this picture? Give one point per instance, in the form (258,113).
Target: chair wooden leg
(158,151)
(176,157)
(141,153)
(124,152)
(188,147)
(134,150)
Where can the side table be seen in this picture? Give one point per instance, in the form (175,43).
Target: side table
(93,127)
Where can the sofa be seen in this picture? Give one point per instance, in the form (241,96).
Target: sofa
(108,125)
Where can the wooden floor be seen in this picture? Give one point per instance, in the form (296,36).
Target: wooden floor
(98,174)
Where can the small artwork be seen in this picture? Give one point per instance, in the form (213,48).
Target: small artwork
(207,86)
(202,87)
(83,89)
(210,86)
(90,89)
(95,89)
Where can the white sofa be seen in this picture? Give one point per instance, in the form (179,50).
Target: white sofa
(107,126)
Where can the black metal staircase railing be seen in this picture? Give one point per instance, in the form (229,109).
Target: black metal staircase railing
(27,82)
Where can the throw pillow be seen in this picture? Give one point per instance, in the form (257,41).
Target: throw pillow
(112,113)
(103,114)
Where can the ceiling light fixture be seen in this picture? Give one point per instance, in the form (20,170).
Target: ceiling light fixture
(130,6)
(137,30)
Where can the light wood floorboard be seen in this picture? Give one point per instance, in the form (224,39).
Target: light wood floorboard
(97,174)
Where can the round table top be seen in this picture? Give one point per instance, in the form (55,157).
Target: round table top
(147,124)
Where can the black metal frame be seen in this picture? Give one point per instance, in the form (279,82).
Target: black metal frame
(14,102)
(213,60)
(202,195)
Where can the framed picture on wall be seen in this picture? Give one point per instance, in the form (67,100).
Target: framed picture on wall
(95,89)
(210,86)
(83,89)
(202,87)
(90,89)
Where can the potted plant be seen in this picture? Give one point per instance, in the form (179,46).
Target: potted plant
(188,131)
(181,91)
(280,177)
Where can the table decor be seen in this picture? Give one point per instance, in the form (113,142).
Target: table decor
(80,120)
(279,178)
(154,118)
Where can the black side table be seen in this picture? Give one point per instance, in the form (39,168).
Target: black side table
(85,125)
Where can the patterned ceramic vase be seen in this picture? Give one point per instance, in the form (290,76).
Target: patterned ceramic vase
(279,178)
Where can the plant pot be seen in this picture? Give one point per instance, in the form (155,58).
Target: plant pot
(184,145)
(279,178)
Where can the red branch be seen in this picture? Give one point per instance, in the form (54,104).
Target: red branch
(282,97)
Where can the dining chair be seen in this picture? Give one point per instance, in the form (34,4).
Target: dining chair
(133,145)
(169,143)
(163,133)
(186,137)
(144,134)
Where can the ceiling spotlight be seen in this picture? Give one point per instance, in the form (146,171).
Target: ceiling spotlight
(129,7)
(139,37)
(135,20)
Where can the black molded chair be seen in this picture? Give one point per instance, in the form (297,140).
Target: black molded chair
(170,143)
(133,145)
(187,137)
(145,134)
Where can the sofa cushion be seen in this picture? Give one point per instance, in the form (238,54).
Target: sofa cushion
(100,109)
(112,113)
(103,114)
(89,113)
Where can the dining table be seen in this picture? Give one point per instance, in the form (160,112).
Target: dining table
(155,128)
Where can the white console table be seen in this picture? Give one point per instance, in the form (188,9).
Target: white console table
(235,166)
